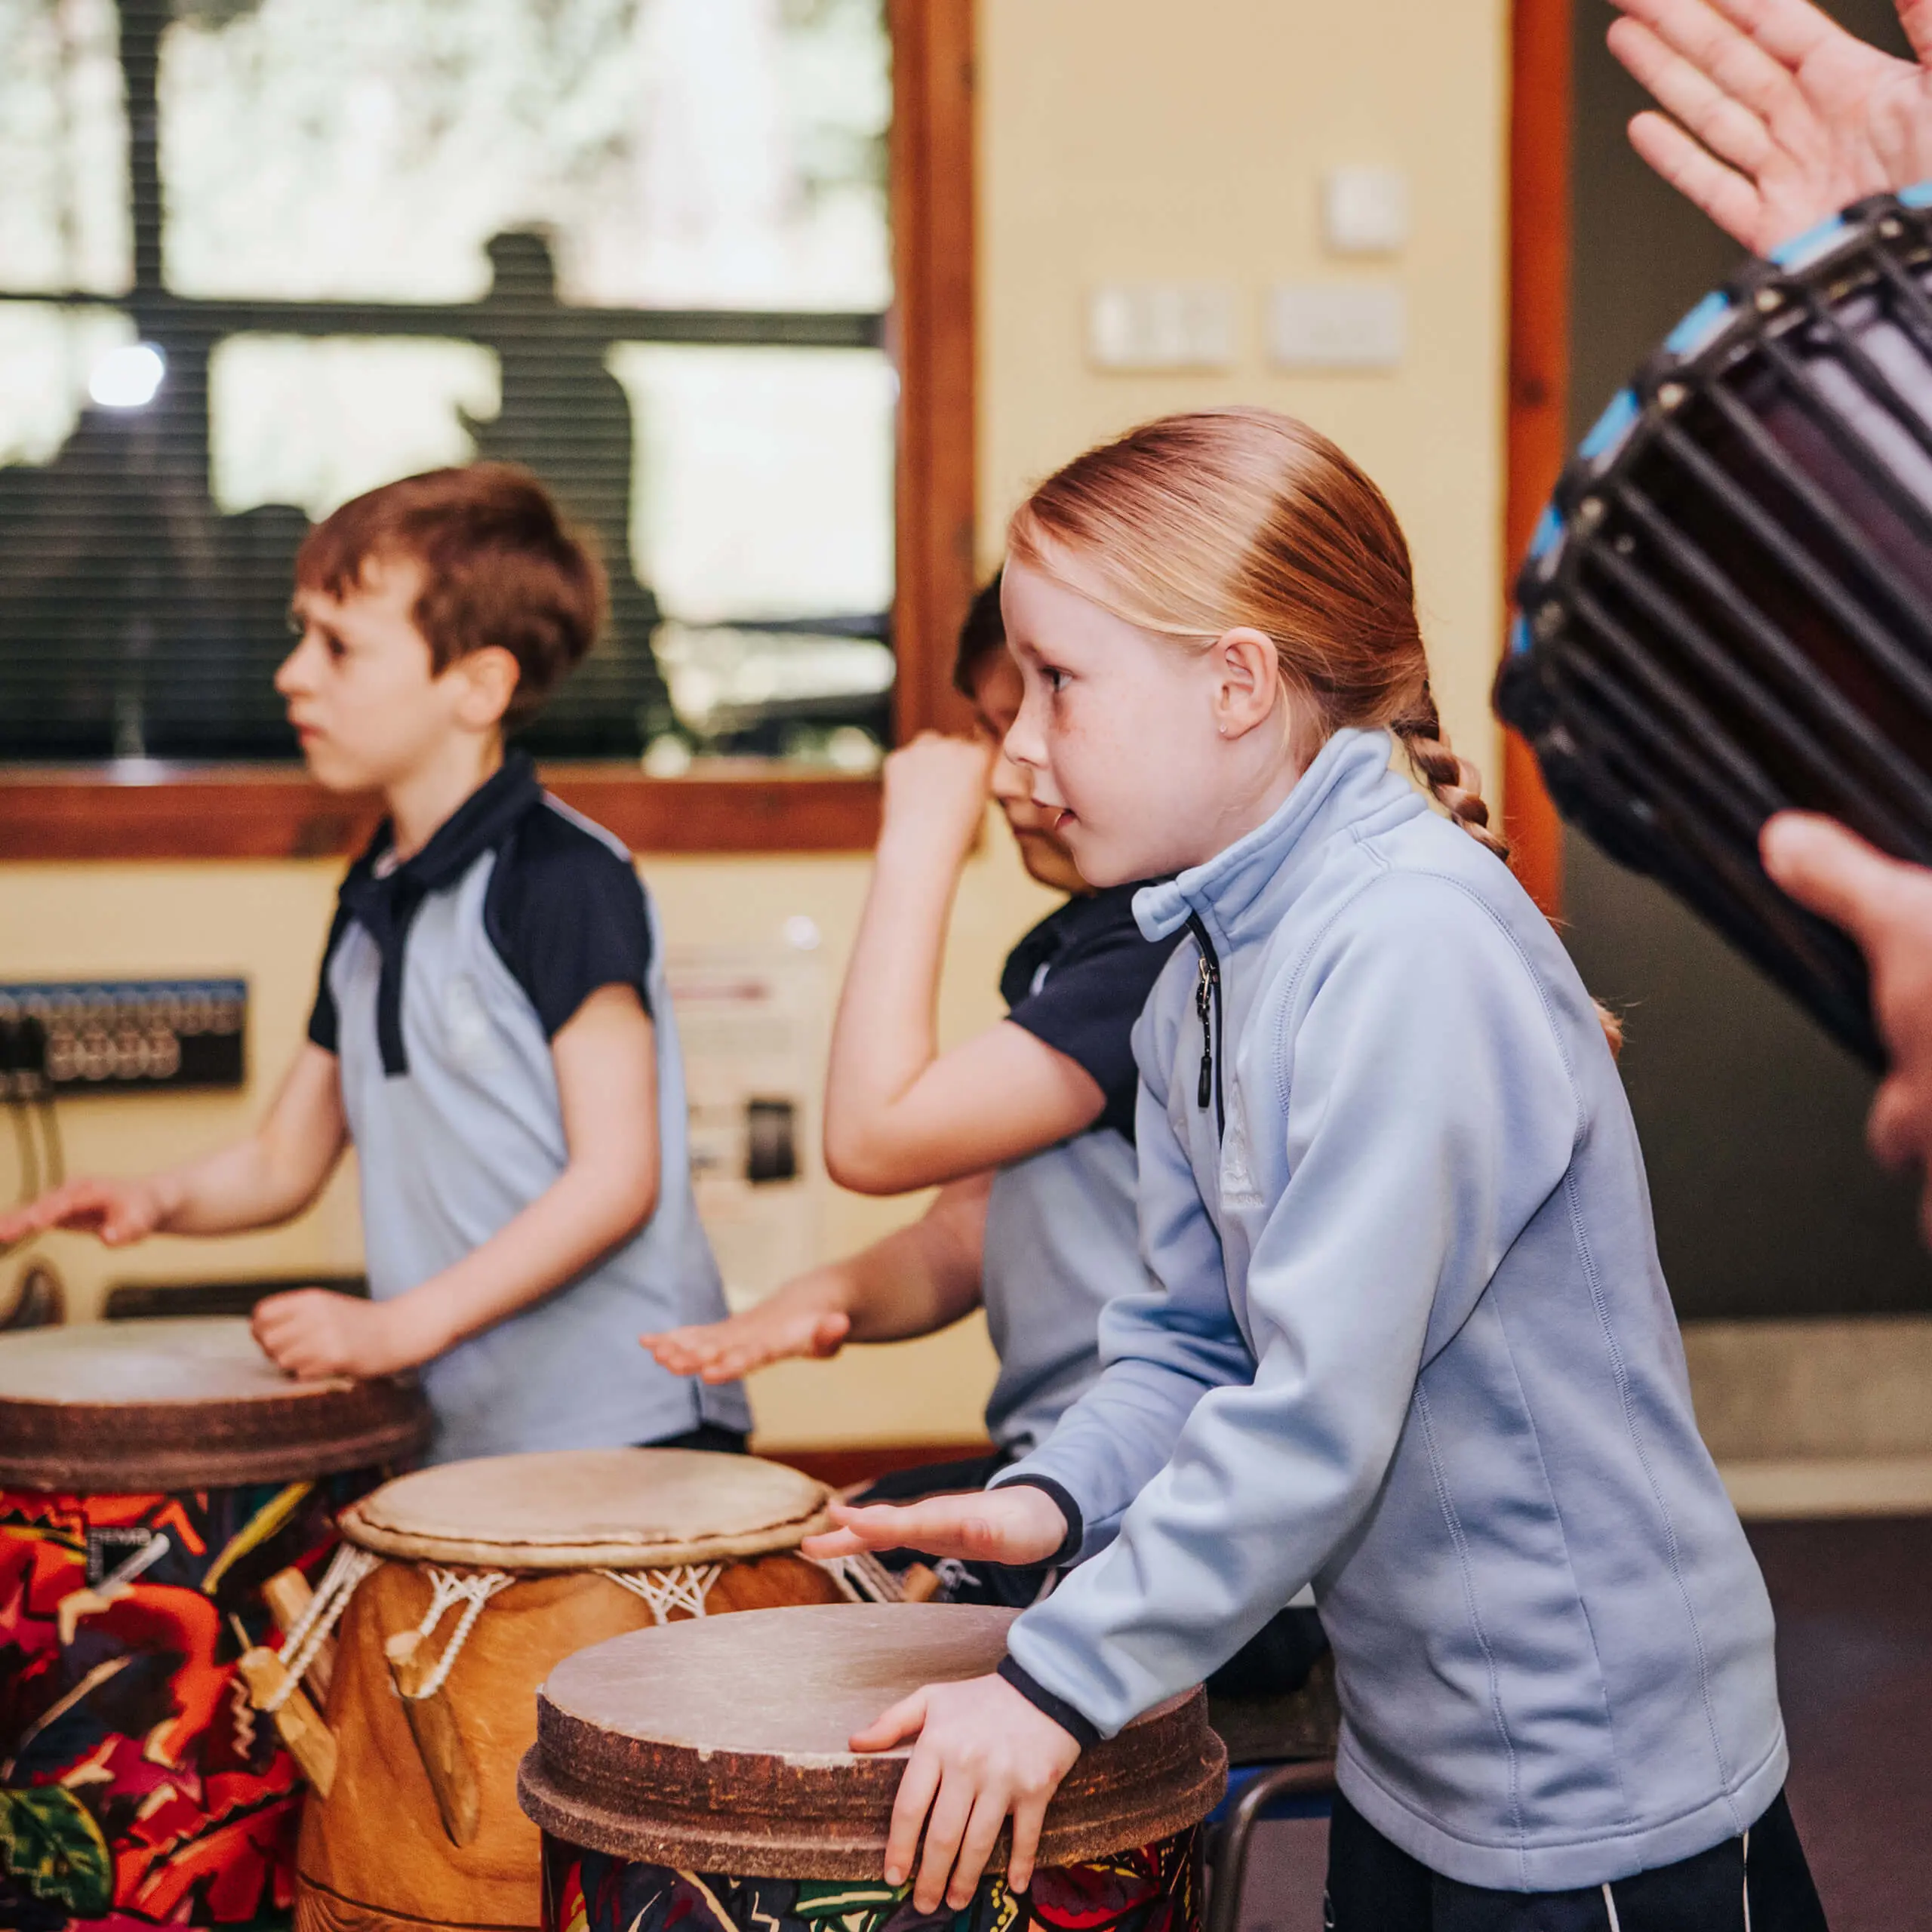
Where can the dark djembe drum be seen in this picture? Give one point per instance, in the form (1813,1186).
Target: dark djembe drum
(1728,608)
(167,1497)
(698,1776)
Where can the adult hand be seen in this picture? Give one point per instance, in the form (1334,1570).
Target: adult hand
(774,1331)
(1017,1524)
(983,1751)
(1887,907)
(118,1211)
(313,1333)
(1781,116)
(936,790)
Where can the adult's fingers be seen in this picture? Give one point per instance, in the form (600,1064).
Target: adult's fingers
(1915,17)
(1730,200)
(976,1847)
(1790,31)
(1893,1131)
(905,1719)
(1029,1817)
(945,1826)
(1721,48)
(1721,122)
(917,1787)
(1832,871)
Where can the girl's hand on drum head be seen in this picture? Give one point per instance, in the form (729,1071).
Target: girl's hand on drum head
(983,1752)
(723,1351)
(1015,1524)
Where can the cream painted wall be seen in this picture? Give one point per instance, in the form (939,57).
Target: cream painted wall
(1120,139)
(1130,140)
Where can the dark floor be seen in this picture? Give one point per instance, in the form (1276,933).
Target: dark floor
(1855,1607)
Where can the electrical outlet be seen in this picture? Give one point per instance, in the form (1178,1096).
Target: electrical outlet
(62,1038)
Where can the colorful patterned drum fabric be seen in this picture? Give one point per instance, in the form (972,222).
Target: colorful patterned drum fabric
(153,1476)
(696,1779)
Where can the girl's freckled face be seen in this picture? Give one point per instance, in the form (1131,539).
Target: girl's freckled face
(1117,728)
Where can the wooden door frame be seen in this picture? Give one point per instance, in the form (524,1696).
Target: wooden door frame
(1536,429)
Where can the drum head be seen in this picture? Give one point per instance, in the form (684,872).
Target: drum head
(590,1509)
(170,1404)
(722,1745)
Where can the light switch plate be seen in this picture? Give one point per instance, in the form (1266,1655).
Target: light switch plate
(1336,325)
(1365,211)
(1156,325)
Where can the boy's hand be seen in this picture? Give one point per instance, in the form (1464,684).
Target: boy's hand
(315,1332)
(1016,1524)
(723,1351)
(118,1211)
(983,1752)
(935,793)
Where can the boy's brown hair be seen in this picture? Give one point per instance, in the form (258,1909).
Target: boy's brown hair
(982,635)
(500,566)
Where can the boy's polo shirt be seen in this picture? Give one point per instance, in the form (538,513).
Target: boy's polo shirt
(1063,1235)
(445,979)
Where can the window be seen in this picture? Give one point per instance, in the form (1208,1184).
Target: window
(258,255)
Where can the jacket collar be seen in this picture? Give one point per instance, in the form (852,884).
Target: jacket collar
(1349,787)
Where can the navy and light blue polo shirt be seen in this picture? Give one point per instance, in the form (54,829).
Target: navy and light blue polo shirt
(1062,1237)
(445,979)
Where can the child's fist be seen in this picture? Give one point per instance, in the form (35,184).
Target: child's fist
(936,793)
(315,1332)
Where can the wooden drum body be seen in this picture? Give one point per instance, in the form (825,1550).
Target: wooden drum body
(154,1475)
(422,1826)
(699,1778)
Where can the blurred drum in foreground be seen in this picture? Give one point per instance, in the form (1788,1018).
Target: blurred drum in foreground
(1728,608)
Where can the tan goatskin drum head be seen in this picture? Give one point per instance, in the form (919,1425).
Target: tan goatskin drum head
(720,1745)
(114,1406)
(590,1509)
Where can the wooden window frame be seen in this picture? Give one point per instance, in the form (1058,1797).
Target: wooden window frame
(1537,430)
(162,810)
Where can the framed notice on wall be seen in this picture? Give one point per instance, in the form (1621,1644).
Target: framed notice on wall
(753,1022)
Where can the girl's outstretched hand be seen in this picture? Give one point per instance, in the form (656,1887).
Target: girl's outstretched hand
(983,1752)
(1017,1524)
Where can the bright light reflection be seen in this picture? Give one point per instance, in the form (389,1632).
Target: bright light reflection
(128,378)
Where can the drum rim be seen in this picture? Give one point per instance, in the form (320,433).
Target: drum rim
(826,1815)
(642,1550)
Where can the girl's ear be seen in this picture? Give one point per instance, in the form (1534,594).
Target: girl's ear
(1248,680)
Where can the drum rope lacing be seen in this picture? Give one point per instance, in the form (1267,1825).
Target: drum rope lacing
(863,1578)
(446,1588)
(680,1587)
(311,1630)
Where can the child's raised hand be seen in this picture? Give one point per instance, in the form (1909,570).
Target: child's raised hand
(936,790)
(118,1211)
(723,1351)
(313,1333)
(983,1752)
(1018,1524)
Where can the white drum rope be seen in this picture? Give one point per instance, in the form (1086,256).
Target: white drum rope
(863,1578)
(447,1588)
(681,1587)
(311,1630)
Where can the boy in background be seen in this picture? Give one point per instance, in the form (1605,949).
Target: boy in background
(491,1031)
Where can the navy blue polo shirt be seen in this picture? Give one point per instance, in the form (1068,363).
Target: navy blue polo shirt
(1062,1237)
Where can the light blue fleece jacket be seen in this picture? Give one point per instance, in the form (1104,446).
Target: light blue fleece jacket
(1410,1339)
